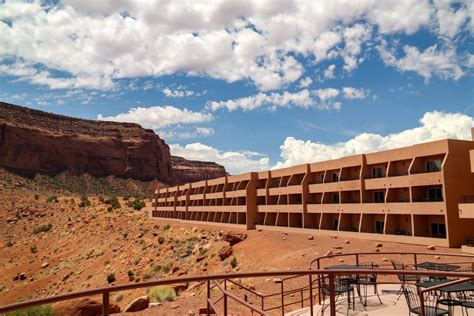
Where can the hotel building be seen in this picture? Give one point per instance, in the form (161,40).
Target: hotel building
(421,194)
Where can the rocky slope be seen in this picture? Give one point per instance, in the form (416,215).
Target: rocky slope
(37,141)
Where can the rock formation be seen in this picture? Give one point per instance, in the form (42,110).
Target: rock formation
(186,171)
(37,141)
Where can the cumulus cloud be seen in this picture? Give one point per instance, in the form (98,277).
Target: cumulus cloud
(433,126)
(181,133)
(304,83)
(90,44)
(329,72)
(235,162)
(354,93)
(271,101)
(430,62)
(327,93)
(157,117)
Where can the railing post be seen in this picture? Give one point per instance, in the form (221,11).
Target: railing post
(225,303)
(422,302)
(105,304)
(302,301)
(357,259)
(282,299)
(319,284)
(332,294)
(208,312)
(262,303)
(311,303)
(415,259)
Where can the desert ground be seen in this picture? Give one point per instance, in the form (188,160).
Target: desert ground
(54,241)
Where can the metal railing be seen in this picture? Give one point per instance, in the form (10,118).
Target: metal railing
(312,286)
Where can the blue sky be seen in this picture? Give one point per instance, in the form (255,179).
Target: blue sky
(250,85)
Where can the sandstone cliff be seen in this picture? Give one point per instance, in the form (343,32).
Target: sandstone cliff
(185,171)
(37,141)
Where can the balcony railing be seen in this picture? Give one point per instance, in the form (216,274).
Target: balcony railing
(466,199)
(428,199)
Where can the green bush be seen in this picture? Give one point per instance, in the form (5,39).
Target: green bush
(111,278)
(113,202)
(166,227)
(33,249)
(130,273)
(9,243)
(163,293)
(84,202)
(136,204)
(33,311)
(42,229)
(233,263)
(52,199)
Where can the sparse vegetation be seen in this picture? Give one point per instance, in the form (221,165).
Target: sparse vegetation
(166,227)
(33,249)
(113,202)
(233,263)
(119,297)
(33,311)
(130,273)
(42,228)
(84,202)
(111,278)
(9,243)
(160,294)
(52,199)
(136,204)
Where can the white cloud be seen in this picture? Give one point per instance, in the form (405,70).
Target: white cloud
(306,82)
(433,126)
(354,93)
(235,162)
(177,93)
(272,101)
(430,62)
(91,44)
(157,117)
(326,93)
(329,72)
(180,133)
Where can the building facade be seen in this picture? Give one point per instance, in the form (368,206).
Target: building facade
(419,194)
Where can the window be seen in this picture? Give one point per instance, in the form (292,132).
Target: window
(335,177)
(438,230)
(379,227)
(335,198)
(377,173)
(322,178)
(433,166)
(434,194)
(379,197)
(336,224)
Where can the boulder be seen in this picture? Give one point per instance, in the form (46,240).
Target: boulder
(138,304)
(431,247)
(234,238)
(225,252)
(378,244)
(45,265)
(310,237)
(82,307)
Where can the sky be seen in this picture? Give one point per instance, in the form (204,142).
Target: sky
(252,85)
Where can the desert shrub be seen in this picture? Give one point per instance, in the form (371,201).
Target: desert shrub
(130,273)
(113,202)
(84,202)
(157,268)
(166,227)
(119,297)
(233,262)
(167,268)
(148,276)
(136,204)
(101,200)
(164,293)
(9,243)
(111,278)
(126,198)
(42,228)
(33,249)
(33,311)
(52,199)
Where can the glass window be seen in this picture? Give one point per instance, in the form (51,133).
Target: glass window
(433,166)
(335,177)
(335,198)
(435,194)
(438,230)
(379,227)
(379,197)
(377,173)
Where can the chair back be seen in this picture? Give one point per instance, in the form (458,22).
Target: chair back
(399,266)
(411,296)
(369,266)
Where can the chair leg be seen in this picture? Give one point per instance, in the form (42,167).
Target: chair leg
(377,292)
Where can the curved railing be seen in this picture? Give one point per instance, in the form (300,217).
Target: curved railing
(219,282)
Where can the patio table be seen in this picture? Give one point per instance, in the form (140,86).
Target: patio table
(437,266)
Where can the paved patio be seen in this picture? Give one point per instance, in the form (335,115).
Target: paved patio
(390,306)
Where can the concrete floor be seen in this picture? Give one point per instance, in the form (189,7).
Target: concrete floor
(391,306)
